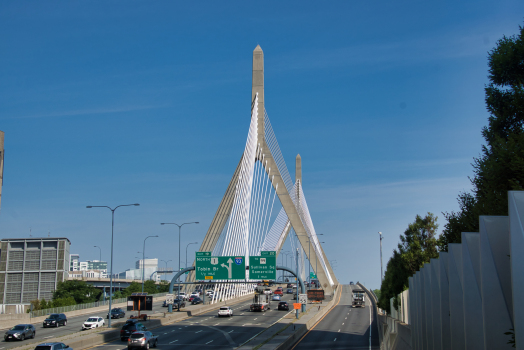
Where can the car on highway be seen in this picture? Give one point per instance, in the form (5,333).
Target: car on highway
(279,292)
(275,297)
(225,311)
(177,303)
(143,340)
(130,327)
(20,332)
(183,296)
(55,320)
(283,305)
(117,313)
(196,301)
(52,346)
(93,322)
(289,291)
(195,295)
(268,291)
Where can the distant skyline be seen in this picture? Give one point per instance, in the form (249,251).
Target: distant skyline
(108,103)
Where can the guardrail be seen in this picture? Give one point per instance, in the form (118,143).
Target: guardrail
(62,309)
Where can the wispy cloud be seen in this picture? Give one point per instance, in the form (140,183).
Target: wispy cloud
(87,111)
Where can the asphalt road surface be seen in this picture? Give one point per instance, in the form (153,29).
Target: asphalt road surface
(74,324)
(344,327)
(208,331)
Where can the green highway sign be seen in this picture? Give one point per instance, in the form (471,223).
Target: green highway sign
(312,275)
(209,267)
(263,267)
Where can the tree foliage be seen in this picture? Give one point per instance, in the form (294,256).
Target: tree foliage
(80,291)
(417,246)
(500,167)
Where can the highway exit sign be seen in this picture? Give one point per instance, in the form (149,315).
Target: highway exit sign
(209,267)
(263,267)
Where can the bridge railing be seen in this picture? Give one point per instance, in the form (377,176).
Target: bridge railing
(62,309)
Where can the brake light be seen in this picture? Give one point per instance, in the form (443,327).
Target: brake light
(121,331)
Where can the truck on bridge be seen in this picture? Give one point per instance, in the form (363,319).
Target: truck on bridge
(260,301)
(358,298)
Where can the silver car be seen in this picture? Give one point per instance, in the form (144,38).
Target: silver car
(52,346)
(20,332)
(143,340)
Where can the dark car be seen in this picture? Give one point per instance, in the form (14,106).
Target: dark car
(283,306)
(178,303)
(130,327)
(196,301)
(117,313)
(55,320)
(52,346)
(20,332)
(142,340)
(289,291)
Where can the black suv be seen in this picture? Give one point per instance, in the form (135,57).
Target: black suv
(283,306)
(130,327)
(117,313)
(55,320)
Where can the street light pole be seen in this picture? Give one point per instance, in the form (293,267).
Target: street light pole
(144,261)
(186,255)
(112,234)
(179,233)
(166,268)
(297,280)
(381,274)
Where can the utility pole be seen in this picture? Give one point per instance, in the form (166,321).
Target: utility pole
(381,274)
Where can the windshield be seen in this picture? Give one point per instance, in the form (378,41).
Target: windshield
(114,310)
(92,319)
(224,308)
(137,335)
(18,328)
(54,316)
(43,347)
(129,327)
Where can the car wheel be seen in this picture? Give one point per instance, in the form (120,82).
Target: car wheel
(34,335)
(22,337)
(147,346)
(156,343)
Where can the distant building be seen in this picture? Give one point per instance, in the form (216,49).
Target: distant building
(151,265)
(30,268)
(74,262)
(89,268)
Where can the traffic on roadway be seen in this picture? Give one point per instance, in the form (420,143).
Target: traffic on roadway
(344,327)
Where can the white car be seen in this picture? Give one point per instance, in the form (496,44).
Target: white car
(182,296)
(195,295)
(210,292)
(268,291)
(225,311)
(93,322)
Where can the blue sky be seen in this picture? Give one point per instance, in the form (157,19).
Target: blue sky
(108,103)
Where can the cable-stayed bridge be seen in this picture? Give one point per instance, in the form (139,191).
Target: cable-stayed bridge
(262,206)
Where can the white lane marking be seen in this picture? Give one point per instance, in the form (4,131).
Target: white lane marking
(339,330)
(199,331)
(242,313)
(174,341)
(209,342)
(255,319)
(48,337)
(342,324)
(346,318)
(217,324)
(228,332)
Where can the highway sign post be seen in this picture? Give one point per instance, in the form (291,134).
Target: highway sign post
(209,267)
(312,275)
(302,298)
(263,267)
(170,299)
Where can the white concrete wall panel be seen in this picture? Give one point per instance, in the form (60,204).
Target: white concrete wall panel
(428,306)
(423,318)
(435,304)
(444,301)
(495,281)
(516,217)
(456,300)
(473,325)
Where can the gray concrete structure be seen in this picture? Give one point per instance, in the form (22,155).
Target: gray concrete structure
(1,163)
(30,268)
(516,228)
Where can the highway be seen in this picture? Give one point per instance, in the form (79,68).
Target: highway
(74,324)
(344,327)
(208,331)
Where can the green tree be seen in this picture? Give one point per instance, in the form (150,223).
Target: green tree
(44,304)
(500,167)
(80,291)
(59,302)
(417,246)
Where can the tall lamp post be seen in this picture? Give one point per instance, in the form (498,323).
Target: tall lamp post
(179,233)
(166,268)
(112,234)
(144,261)
(381,274)
(316,266)
(186,253)
(100,252)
